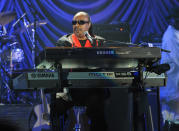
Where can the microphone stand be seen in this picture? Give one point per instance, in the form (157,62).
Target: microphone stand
(33,40)
(33,47)
(18,20)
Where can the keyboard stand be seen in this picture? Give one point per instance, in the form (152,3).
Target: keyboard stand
(142,118)
(78,110)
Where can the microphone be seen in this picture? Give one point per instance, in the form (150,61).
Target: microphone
(159,69)
(18,20)
(165,50)
(88,36)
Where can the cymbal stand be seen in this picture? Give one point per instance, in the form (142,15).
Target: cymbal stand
(33,48)
(32,40)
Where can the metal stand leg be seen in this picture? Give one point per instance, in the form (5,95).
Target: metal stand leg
(142,113)
(78,111)
(5,91)
(159,108)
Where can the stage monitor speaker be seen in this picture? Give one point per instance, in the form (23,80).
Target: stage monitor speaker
(115,32)
(16,116)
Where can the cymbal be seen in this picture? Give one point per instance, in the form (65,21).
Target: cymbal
(38,23)
(6,17)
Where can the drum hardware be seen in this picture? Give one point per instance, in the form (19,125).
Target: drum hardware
(30,26)
(6,18)
(9,53)
(31,34)
(30,29)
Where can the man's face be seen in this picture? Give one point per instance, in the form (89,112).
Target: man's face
(80,25)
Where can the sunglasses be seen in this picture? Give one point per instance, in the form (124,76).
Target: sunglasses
(80,22)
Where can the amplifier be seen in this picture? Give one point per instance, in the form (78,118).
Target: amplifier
(116,32)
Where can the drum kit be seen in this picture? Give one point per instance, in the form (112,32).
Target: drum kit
(11,51)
